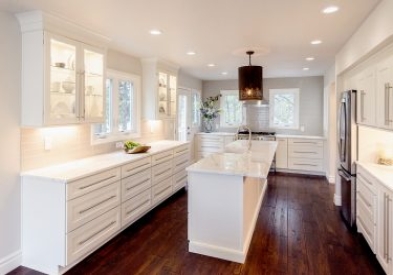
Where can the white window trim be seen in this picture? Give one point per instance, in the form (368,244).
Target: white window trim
(223,124)
(296,92)
(119,136)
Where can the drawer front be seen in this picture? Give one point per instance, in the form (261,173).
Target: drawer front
(180,163)
(213,147)
(179,180)
(83,186)
(161,172)
(366,178)
(135,207)
(365,224)
(305,164)
(135,184)
(161,191)
(201,155)
(90,236)
(365,194)
(92,205)
(209,139)
(305,151)
(300,141)
(181,150)
(162,157)
(135,167)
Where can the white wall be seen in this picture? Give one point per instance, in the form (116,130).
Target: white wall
(10,71)
(311,99)
(187,81)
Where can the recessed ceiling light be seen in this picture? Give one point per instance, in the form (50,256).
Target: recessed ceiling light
(224,73)
(211,65)
(306,69)
(310,58)
(330,9)
(316,42)
(155,32)
(191,53)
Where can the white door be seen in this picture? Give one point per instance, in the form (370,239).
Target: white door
(188,115)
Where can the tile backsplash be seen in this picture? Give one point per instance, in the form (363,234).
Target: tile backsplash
(373,142)
(70,143)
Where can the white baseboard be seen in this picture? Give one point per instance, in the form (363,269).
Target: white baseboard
(337,200)
(10,262)
(331,179)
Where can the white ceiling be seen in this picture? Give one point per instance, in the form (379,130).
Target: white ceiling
(217,29)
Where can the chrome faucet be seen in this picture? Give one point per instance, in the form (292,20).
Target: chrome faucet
(249,135)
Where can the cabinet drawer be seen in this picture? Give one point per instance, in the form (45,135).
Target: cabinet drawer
(180,163)
(210,139)
(179,180)
(305,151)
(135,184)
(212,147)
(90,236)
(365,194)
(305,164)
(161,172)
(366,178)
(135,207)
(92,205)
(135,167)
(201,155)
(162,157)
(85,185)
(161,191)
(181,150)
(365,224)
(300,141)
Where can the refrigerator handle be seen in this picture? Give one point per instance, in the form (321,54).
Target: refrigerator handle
(343,175)
(343,131)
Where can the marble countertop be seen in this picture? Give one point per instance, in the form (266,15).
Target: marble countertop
(239,161)
(299,136)
(217,133)
(382,173)
(77,169)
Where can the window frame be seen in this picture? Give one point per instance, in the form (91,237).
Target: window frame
(115,134)
(223,124)
(296,93)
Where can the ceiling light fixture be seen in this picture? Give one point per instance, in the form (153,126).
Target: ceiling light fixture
(306,69)
(316,42)
(224,73)
(250,81)
(191,53)
(310,58)
(155,32)
(211,65)
(330,9)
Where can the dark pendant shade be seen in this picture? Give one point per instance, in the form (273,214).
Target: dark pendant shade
(250,82)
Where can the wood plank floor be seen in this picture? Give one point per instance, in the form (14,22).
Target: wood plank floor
(299,231)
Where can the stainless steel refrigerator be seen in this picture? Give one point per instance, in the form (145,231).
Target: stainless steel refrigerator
(347,143)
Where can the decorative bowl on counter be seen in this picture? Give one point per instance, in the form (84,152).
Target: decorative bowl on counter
(138,149)
(68,86)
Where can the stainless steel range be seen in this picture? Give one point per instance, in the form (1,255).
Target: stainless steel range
(266,136)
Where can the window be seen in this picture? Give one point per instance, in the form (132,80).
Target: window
(195,102)
(231,109)
(122,110)
(284,108)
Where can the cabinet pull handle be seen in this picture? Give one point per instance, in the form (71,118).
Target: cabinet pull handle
(129,170)
(388,228)
(304,152)
(97,204)
(305,164)
(387,104)
(139,183)
(362,95)
(385,254)
(182,178)
(96,233)
(159,174)
(97,182)
(364,199)
(163,190)
(181,151)
(138,206)
(163,157)
(305,142)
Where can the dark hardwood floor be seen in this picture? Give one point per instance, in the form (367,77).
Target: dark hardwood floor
(299,231)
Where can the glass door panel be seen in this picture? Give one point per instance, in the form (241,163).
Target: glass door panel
(172,92)
(94,85)
(62,80)
(163,94)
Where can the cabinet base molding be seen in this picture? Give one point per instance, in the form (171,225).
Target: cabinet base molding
(10,262)
(337,200)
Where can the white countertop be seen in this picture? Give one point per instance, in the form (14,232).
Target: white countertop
(299,136)
(382,173)
(217,133)
(253,163)
(77,169)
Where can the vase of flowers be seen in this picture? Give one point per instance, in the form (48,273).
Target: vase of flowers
(210,112)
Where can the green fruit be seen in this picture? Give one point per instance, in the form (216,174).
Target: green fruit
(129,145)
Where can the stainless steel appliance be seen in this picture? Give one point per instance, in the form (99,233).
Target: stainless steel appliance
(267,136)
(347,143)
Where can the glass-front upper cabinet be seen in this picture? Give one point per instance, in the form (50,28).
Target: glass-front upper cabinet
(75,92)
(167,85)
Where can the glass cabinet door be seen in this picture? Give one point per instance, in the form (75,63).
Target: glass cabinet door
(62,81)
(172,92)
(163,97)
(93,82)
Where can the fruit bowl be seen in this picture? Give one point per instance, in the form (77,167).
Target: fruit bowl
(138,149)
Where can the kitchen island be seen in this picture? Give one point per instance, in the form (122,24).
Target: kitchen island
(225,195)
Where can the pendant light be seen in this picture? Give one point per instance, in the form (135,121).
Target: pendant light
(250,81)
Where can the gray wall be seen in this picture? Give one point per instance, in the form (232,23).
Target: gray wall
(10,92)
(311,99)
(187,81)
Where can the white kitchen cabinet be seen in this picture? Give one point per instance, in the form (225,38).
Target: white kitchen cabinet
(282,153)
(366,207)
(305,154)
(365,85)
(159,89)
(62,78)
(208,143)
(384,93)
(385,228)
